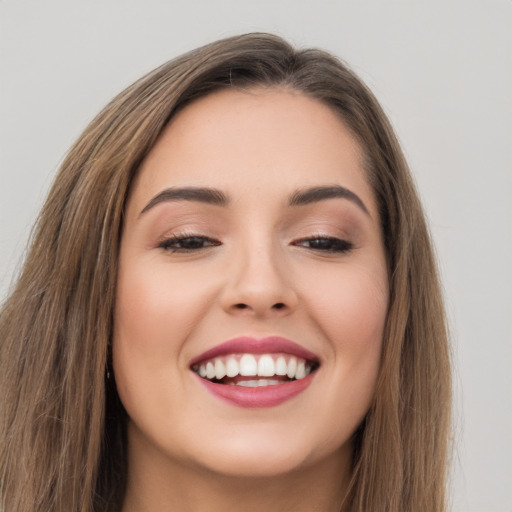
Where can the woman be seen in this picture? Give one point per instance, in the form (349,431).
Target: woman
(230,303)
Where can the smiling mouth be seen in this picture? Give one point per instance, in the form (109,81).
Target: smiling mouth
(254,370)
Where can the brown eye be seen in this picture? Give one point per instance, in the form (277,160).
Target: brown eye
(326,244)
(187,243)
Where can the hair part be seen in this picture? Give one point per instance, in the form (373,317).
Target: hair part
(62,427)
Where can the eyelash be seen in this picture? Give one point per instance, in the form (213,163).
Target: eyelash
(171,243)
(328,244)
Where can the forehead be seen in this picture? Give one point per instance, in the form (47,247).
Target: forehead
(268,140)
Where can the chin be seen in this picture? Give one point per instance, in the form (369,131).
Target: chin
(257,465)
(266,456)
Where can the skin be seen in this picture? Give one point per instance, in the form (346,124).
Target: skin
(188,450)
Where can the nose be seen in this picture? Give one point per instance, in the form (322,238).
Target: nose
(259,284)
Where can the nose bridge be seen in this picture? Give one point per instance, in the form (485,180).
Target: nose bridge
(258,280)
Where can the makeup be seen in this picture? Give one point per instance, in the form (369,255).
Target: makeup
(249,372)
(251,241)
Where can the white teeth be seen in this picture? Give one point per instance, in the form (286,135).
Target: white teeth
(248,383)
(248,365)
(232,368)
(281,366)
(220,369)
(292,367)
(210,370)
(256,383)
(301,370)
(266,366)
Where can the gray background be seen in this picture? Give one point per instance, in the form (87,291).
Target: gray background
(442,70)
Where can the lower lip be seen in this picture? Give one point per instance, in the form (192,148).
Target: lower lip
(265,396)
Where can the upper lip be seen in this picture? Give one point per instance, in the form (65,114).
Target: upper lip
(248,345)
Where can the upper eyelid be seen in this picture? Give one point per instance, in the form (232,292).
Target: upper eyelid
(330,236)
(185,236)
(324,237)
(166,243)
(197,234)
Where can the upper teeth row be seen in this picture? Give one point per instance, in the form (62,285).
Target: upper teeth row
(248,365)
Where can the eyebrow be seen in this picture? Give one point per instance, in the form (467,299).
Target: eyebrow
(218,198)
(315,194)
(200,194)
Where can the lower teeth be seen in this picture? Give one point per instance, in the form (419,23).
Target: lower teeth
(256,383)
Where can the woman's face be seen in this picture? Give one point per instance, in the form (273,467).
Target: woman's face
(252,288)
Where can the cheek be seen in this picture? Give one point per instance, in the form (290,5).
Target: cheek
(349,306)
(351,310)
(156,310)
(352,307)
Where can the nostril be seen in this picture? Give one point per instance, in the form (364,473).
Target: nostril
(278,306)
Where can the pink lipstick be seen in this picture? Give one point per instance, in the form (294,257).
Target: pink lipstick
(248,372)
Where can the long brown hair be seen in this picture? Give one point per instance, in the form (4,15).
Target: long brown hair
(62,428)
